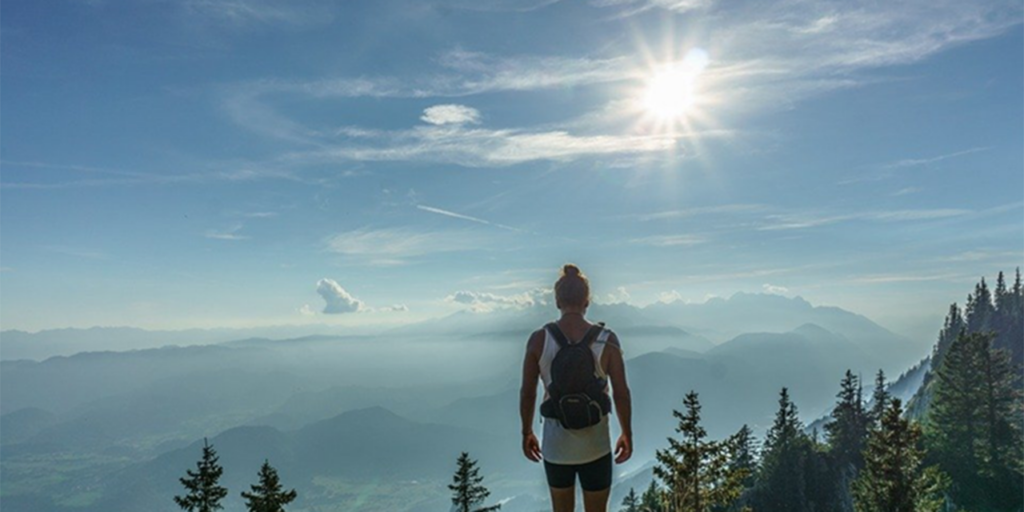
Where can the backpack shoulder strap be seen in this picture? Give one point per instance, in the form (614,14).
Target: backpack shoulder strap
(557,334)
(593,333)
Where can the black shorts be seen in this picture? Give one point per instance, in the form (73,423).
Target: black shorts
(594,476)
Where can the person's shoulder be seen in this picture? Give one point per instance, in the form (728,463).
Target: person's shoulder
(611,338)
(536,341)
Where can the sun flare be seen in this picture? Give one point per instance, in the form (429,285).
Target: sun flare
(673,89)
(669,94)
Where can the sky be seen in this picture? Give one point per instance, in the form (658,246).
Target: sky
(174,164)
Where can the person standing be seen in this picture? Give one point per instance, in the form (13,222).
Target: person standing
(576,360)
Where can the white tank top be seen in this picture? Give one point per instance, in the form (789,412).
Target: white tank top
(564,446)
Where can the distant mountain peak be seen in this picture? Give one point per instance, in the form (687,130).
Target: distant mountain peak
(768,297)
(368,414)
(812,328)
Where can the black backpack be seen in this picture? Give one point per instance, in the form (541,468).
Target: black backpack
(576,395)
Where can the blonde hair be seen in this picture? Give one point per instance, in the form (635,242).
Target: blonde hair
(573,288)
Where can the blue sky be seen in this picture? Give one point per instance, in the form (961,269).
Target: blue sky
(191,163)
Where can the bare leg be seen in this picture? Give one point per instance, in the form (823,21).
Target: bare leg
(563,499)
(596,501)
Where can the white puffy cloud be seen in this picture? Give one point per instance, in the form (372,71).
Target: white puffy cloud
(774,290)
(619,296)
(486,301)
(305,310)
(336,299)
(670,296)
(450,114)
(395,308)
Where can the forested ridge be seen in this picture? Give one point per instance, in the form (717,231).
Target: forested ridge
(956,447)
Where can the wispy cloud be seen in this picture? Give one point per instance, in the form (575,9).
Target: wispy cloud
(703,210)
(230,234)
(906,191)
(454,215)
(116,177)
(481,147)
(814,47)
(668,240)
(917,162)
(246,13)
(788,221)
(633,7)
(78,252)
(774,54)
(396,246)
(888,170)
(499,5)
(850,33)
(981,255)
(911,215)
(903,278)
(461,73)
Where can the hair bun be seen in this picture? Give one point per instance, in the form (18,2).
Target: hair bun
(570,270)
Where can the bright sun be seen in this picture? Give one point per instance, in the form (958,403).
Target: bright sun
(672,90)
(669,93)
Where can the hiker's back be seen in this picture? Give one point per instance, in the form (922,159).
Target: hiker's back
(562,445)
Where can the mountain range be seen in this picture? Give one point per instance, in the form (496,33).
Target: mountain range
(346,418)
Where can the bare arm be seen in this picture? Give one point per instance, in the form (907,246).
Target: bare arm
(528,394)
(622,398)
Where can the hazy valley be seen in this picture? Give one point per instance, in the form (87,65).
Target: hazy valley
(347,418)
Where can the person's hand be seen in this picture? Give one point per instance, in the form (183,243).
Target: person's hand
(531,447)
(623,449)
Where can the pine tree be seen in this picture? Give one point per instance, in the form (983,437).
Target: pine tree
(204,493)
(1002,316)
(972,430)
(1002,297)
(1001,452)
(879,399)
(268,495)
(744,454)
(695,470)
(847,430)
(468,493)
(892,479)
(1018,293)
(980,310)
(1015,335)
(952,420)
(653,499)
(782,482)
(631,503)
(950,330)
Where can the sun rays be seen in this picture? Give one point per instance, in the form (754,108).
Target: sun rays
(673,98)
